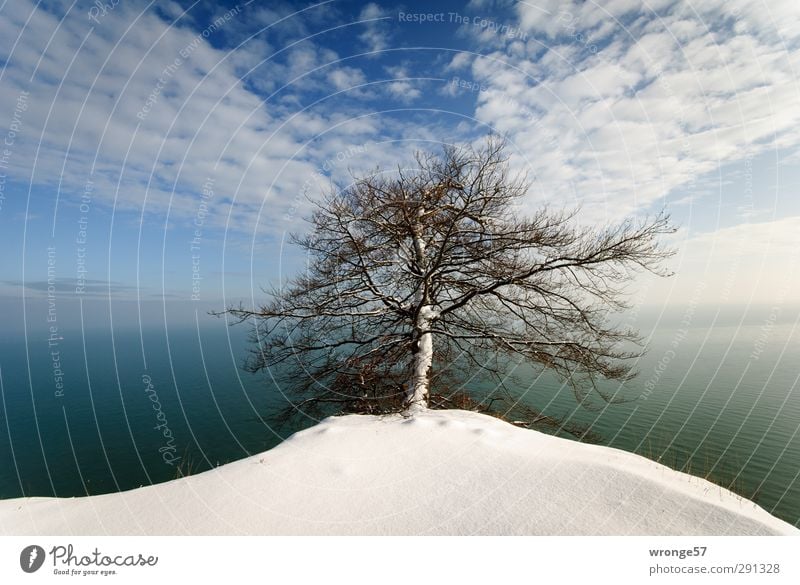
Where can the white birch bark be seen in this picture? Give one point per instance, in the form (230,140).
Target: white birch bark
(423,359)
(417,397)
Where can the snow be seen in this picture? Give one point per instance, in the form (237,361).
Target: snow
(436,472)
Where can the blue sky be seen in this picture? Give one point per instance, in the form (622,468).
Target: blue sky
(178,139)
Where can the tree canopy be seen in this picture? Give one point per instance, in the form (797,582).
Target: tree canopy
(435,273)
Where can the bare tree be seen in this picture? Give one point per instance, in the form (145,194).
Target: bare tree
(434,272)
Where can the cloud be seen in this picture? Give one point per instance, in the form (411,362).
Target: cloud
(149,112)
(753,262)
(91,288)
(375,35)
(620,105)
(346,78)
(617,107)
(460,62)
(403,89)
(776,238)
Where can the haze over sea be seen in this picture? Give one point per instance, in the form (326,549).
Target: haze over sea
(717,396)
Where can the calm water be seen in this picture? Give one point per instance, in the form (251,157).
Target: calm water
(725,402)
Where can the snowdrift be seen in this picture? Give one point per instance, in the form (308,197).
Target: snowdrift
(436,472)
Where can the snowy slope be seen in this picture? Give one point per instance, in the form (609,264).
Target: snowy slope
(438,472)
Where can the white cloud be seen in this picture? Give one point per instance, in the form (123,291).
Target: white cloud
(375,34)
(747,263)
(404,89)
(346,78)
(460,62)
(769,238)
(88,109)
(630,102)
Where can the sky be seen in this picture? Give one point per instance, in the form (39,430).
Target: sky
(158,153)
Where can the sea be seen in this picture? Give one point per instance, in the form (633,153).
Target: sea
(93,411)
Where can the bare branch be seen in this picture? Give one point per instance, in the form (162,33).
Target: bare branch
(434,276)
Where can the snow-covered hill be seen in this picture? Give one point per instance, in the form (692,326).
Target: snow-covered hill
(437,472)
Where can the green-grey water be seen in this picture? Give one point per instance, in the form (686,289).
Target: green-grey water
(717,401)
(721,403)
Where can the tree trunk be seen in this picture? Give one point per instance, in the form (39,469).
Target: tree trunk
(418,390)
